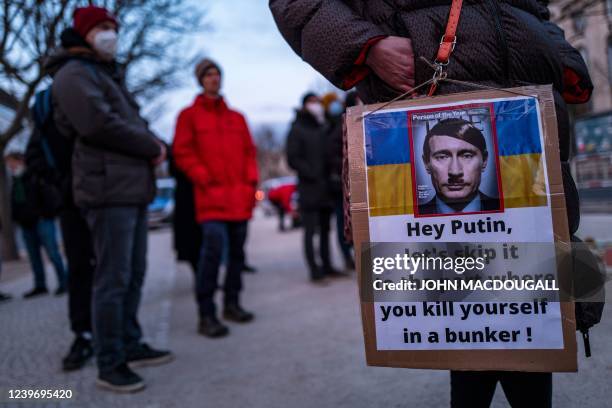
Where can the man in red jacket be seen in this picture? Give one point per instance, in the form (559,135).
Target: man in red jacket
(213,147)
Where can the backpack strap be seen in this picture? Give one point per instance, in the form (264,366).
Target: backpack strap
(587,342)
(44,144)
(42,108)
(448,42)
(42,112)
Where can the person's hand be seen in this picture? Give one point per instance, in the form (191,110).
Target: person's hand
(162,155)
(392,60)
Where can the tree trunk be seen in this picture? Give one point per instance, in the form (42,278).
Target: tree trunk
(9,244)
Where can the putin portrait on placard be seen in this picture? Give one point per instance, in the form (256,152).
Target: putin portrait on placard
(455,157)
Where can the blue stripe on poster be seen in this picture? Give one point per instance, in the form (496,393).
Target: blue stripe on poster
(386,133)
(386,138)
(517,127)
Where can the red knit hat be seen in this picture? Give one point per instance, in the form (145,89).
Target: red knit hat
(86,18)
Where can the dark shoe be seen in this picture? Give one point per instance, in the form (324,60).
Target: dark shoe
(4,297)
(335,273)
(320,281)
(210,326)
(349,264)
(235,313)
(248,269)
(121,379)
(35,292)
(80,352)
(60,291)
(144,355)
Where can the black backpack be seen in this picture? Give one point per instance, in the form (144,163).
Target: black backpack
(588,287)
(48,158)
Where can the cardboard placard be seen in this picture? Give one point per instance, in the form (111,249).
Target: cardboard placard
(391,188)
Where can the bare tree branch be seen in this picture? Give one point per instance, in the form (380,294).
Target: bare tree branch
(154,35)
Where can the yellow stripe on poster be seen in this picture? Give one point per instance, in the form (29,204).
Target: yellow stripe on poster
(390,189)
(523,180)
(390,185)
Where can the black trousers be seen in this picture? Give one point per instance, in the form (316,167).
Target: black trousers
(79,251)
(281,216)
(475,389)
(317,221)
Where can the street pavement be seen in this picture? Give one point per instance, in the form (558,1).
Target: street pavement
(305,348)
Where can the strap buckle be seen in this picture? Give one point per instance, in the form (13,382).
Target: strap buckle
(453,45)
(439,73)
(453,42)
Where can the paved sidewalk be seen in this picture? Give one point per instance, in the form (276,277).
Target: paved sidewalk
(305,348)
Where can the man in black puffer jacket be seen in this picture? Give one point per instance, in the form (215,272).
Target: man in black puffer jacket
(377,45)
(112,181)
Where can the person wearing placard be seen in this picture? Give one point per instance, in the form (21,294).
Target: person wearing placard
(379,46)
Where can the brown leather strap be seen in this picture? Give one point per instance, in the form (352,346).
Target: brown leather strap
(449,40)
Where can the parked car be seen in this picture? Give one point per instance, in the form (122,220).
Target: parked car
(161,209)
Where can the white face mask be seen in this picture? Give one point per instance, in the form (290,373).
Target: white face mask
(105,44)
(316,110)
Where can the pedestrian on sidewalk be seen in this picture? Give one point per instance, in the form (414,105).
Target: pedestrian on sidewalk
(187,232)
(213,147)
(49,155)
(334,112)
(37,229)
(375,45)
(306,152)
(112,182)
(281,197)
(3,296)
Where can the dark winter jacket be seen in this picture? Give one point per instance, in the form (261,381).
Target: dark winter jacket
(23,210)
(499,43)
(334,158)
(306,154)
(113,144)
(187,231)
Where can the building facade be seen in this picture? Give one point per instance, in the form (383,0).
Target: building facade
(588,27)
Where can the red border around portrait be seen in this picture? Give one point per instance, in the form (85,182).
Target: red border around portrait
(415,199)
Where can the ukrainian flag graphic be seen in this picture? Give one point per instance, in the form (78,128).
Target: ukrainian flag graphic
(389,167)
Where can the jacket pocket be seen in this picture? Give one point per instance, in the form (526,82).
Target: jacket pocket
(128,183)
(211,198)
